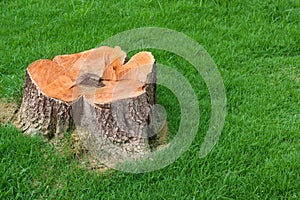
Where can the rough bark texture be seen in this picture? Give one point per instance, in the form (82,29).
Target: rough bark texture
(123,123)
(40,114)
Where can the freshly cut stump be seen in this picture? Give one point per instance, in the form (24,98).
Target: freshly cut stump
(106,98)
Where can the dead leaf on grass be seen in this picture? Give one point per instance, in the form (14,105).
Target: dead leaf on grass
(7,111)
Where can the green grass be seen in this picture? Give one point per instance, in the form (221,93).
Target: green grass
(256,46)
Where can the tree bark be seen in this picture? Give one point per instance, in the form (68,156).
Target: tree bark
(40,114)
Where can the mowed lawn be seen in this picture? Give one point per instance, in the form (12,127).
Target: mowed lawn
(256,47)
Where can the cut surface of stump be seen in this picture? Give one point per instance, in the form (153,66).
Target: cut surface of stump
(96,92)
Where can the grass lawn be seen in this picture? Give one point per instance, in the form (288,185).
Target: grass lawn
(256,46)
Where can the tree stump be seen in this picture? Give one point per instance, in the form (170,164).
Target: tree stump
(96,91)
